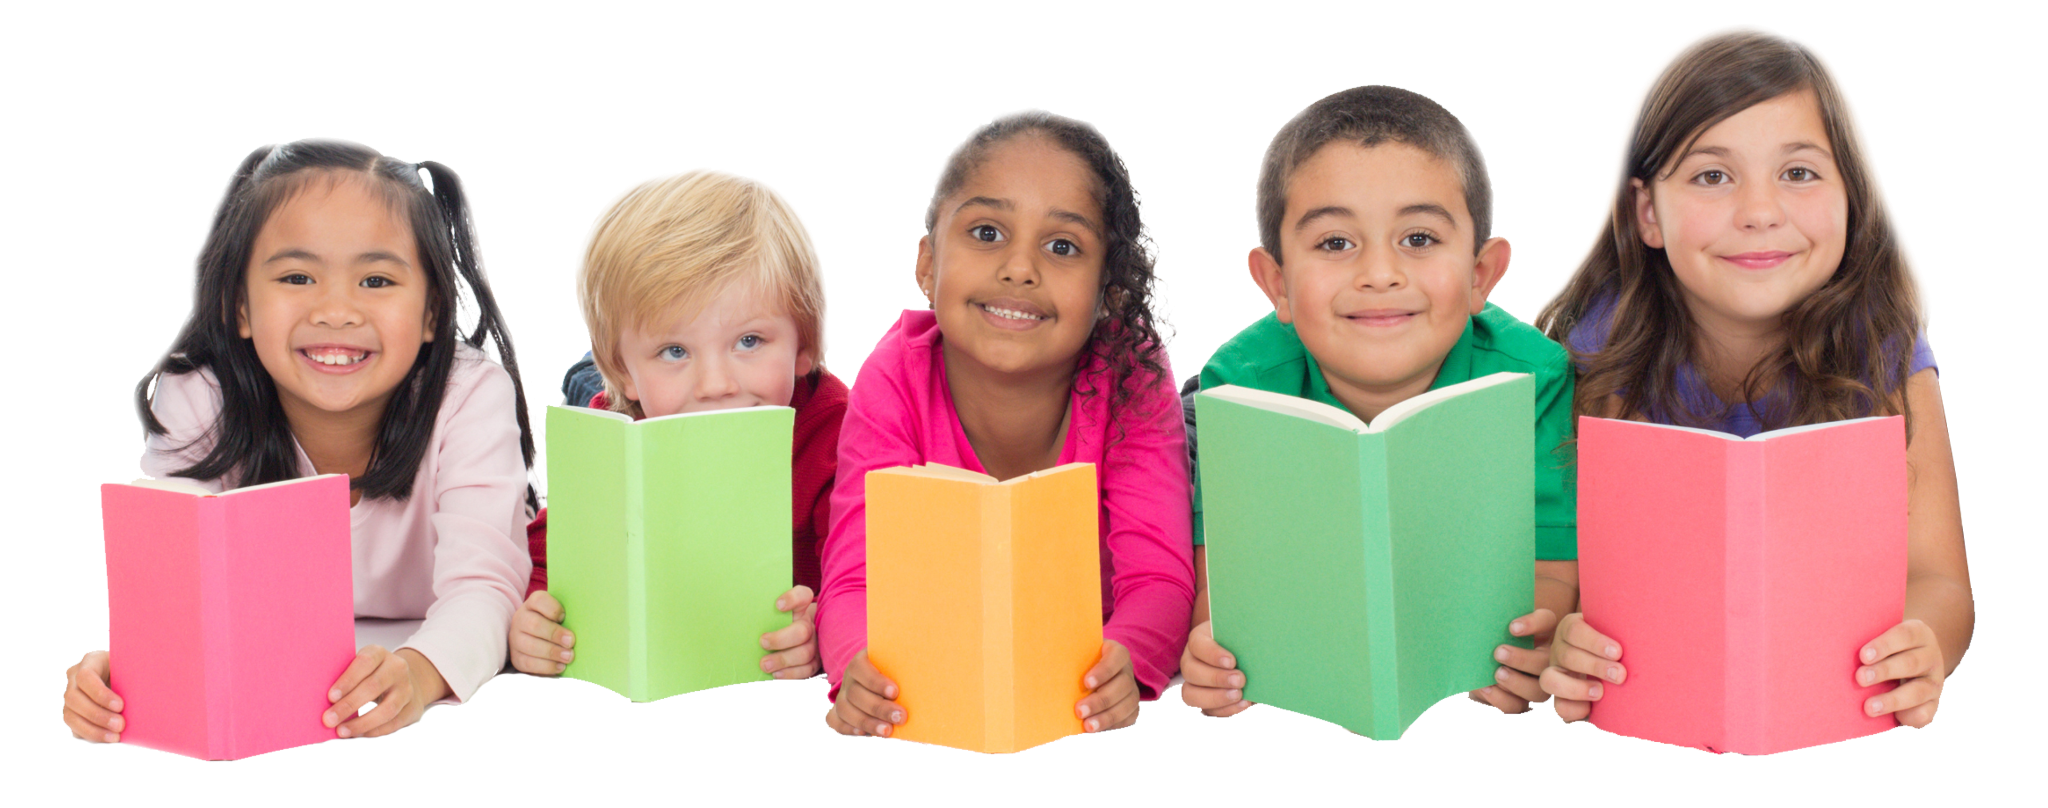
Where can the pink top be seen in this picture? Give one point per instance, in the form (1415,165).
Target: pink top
(454,552)
(901,413)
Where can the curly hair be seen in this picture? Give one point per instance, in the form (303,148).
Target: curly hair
(1127,340)
(1848,345)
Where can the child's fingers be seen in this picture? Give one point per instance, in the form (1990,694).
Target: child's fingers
(853,715)
(795,635)
(843,726)
(89,677)
(1909,694)
(1578,660)
(391,703)
(1919,716)
(1895,639)
(1114,661)
(1912,663)
(862,671)
(1120,712)
(1195,671)
(1574,631)
(1534,624)
(545,605)
(529,623)
(1531,661)
(532,654)
(1568,687)
(1101,699)
(1229,710)
(1501,700)
(794,600)
(1202,646)
(89,719)
(1570,710)
(86,729)
(796,663)
(1525,688)
(354,689)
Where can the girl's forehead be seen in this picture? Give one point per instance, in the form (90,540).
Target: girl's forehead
(1770,128)
(1031,168)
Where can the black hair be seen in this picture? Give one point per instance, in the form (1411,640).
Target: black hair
(251,437)
(1126,340)
(1369,116)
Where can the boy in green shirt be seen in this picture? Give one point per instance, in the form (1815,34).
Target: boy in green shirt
(1374,210)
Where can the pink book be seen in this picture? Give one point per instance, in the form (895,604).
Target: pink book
(1742,577)
(230,615)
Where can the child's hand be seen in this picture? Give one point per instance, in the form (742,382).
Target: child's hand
(402,684)
(864,706)
(1516,685)
(1209,676)
(793,651)
(1576,653)
(1908,653)
(538,642)
(1112,700)
(91,709)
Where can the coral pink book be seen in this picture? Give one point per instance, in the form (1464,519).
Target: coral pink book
(1741,577)
(230,615)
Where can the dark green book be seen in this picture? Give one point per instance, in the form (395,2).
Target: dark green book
(668,543)
(1359,574)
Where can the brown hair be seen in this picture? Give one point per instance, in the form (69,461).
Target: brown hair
(1848,345)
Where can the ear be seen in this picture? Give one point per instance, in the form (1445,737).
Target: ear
(1487,270)
(1266,273)
(242,318)
(1646,216)
(428,325)
(805,363)
(626,386)
(926,279)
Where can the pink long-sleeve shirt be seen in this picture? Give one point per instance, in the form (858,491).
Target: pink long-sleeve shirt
(454,552)
(901,413)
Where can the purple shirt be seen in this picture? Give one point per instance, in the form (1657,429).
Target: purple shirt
(1738,418)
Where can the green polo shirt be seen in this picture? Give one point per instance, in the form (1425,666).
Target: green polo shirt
(1269,356)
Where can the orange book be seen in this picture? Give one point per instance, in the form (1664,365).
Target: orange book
(984,601)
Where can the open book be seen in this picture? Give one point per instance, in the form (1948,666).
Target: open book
(984,601)
(1360,573)
(668,543)
(229,615)
(1742,577)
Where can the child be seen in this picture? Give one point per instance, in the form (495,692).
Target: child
(1040,350)
(1374,215)
(1749,280)
(701,292)
(322,340)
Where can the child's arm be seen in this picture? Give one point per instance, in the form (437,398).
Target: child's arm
(91,709)
(1145,502)
(1940,614)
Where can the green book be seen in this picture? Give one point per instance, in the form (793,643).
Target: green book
(668,543)
(1359,574)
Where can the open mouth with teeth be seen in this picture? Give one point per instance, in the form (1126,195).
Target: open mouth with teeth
(1010,314)
(335,357)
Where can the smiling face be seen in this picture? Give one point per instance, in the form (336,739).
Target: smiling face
(337,299)
(1754,217)
(1013,265)
(738,349)
(1381,275)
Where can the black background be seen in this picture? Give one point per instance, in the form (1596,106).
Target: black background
(855,146)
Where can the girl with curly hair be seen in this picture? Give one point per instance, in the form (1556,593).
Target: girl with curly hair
(1039,349)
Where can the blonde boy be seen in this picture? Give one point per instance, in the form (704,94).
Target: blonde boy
(701,292)
(1374,211)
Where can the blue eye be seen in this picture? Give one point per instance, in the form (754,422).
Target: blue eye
(1062,247)
(985,232)
(674,353)
(750,342)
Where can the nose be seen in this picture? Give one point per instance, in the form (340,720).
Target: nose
(1020,265)
(1758,206)
(716,380)
(337,307)
(1379,269)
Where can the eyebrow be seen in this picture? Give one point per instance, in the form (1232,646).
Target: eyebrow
(1723,153)
(1424,208)
(1008,206)
(302,255)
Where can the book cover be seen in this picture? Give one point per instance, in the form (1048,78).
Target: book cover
(1742,577)
(1360,573)
(668,543)
(229,615)
(984,601)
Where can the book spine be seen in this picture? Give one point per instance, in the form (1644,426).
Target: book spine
(636,566)
(215,628)
(1381,662)
(999,623)
(1743,681)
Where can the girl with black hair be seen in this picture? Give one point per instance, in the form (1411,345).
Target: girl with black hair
(324,339)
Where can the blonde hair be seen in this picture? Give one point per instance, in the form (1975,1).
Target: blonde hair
(686,238)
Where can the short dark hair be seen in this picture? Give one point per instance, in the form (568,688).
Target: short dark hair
(1370,116)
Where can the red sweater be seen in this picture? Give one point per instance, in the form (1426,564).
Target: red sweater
(820,403)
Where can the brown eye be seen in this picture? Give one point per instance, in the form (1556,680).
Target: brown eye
(1417,241)
(1334,244)
(1063,247)
(985,233)
(1800,174)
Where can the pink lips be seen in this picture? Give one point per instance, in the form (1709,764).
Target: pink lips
(307,352)
(1380,317)
(1757,260)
